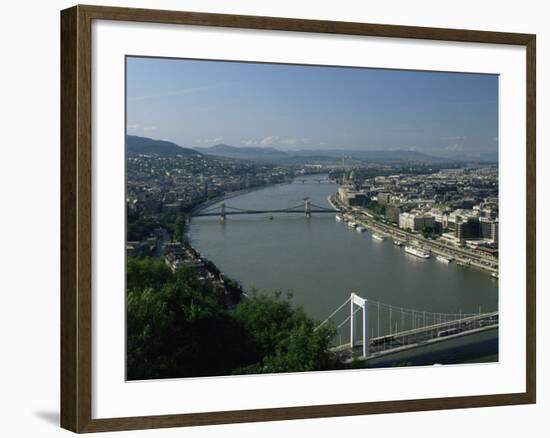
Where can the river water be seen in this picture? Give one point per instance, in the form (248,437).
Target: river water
(321,260)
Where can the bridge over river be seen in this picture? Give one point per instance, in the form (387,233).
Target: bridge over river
(409,331)
(306,208)
(322,261)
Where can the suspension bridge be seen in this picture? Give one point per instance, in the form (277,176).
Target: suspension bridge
(306,208)
(387,329)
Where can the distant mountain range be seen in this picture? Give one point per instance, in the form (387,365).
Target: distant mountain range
(149,146)
(273,154)
(373,155)
(250,153)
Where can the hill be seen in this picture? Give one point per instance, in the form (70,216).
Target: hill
(249,153)
(149,146)
(374,155)
(270,154)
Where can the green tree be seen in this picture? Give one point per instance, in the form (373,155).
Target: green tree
(142,273)
(179,229)
(285,337)
(180,328)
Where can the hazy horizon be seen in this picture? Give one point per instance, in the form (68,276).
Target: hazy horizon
(293,107)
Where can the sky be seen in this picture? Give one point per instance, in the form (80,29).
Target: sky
(198,103)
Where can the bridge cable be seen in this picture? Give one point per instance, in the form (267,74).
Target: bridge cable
(332,314)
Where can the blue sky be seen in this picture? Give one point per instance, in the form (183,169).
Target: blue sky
(201,103)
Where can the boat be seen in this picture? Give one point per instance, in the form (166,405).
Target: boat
(378,237)
(494,275)
(397,243)
(352,224)
(338,218)
(443,259)
(418,252)
(360,229)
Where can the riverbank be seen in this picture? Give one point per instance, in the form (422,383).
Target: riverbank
(461,256)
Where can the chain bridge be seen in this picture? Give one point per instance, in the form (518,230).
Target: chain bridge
(306,208)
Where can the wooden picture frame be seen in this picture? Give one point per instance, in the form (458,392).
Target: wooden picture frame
(76,217)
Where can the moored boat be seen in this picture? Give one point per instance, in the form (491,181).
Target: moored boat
(418,252)
(397,243)
(494,275)
(360,229)
(338,218)
(378,237)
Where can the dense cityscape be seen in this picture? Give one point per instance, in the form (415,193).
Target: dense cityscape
(290,218)
(452,209)
(450,212)
(447,210)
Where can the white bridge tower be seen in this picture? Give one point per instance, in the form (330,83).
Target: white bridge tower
(356,300)
(307,207)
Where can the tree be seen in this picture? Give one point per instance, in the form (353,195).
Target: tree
(285,337)
(142,273)
(179,229)
(179,326)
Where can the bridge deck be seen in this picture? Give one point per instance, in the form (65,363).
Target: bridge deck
(231,213)
(417,337)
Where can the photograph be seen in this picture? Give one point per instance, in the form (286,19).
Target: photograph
(287,218)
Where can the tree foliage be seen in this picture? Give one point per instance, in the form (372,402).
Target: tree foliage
(284,335)
(139,227)
(179,229)
(377,208)
(178,326)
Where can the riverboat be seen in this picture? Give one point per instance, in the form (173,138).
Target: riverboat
(417,252)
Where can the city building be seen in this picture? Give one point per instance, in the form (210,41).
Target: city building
(384,198)
(467,228)
(488,229)
(415,221)
(351,197)
(392,212)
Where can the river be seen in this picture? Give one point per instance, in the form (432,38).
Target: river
(321,260)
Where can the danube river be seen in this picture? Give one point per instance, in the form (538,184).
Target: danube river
(321,260)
